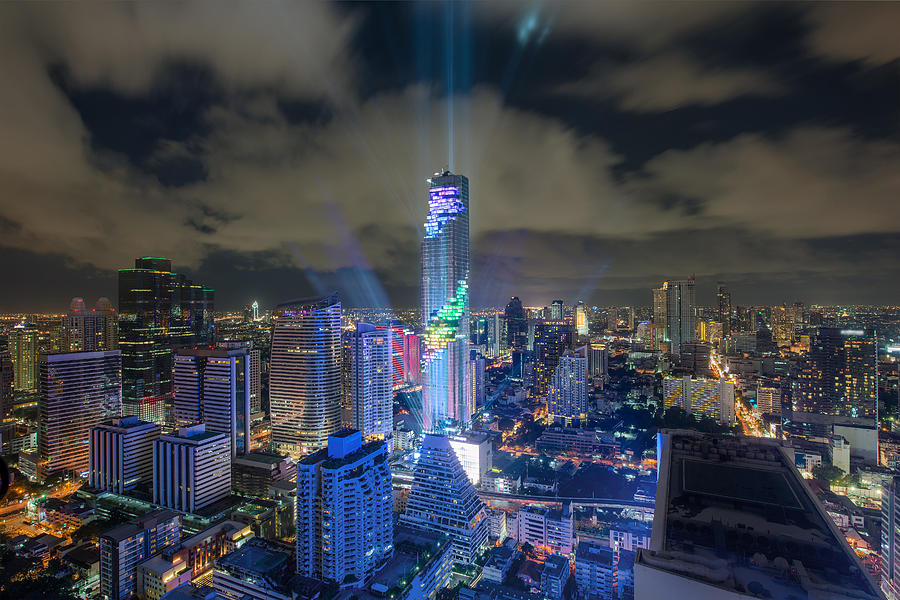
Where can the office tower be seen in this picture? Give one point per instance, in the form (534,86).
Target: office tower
(7,384)
(557,310)
(411,358)
(476,378)
(581,321)
(90,330)
(305,374)
(212,386)
(890,538)
(475,453)
(253,473)
(734,519)
(516,325)
(255,379)
(700,396)
(839,375)
(78,391)
(191,469)
(442,499)
(723,305)
(345,528)
(158,311)
(551,338)
(23,352)
(371,376)
(783,326)
(120,455)
(124,546)
(595,572)
(660,307)
(768,398)
(680,319)
(445,303)
(567,394)
(598,363)
(542,527)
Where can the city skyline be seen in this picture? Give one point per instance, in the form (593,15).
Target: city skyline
(763,131)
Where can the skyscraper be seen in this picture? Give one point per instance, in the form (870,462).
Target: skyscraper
(581,321)
(442,499)
(90,330)
(445,303)
(476,379)
(890,538)
(550,341)
(158,311)
(23,352)
(557,308)
(191,469)
(660,310)
(7,381)
(345,528)
(212,386)
(78,391)
(516,324)
(121,454)
(398,378)
(305,374)
(723,306)
(371,370)
(567,395)
(680,319)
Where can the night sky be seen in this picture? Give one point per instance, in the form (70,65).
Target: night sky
(278,150)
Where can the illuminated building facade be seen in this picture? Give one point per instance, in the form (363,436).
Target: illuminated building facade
(305,374)
(191,469)
(567,395)
(212,386)
(121,454)
(557,310)
(90,330)
(839,375)
(723,305)
(551,338)
(23,352)
(78,391)
(581,321)
(398,377)
(660,308)
(783,326)
(700,396)
(158,310)
(7,381)
(371,370)
(680,319)
(445,303)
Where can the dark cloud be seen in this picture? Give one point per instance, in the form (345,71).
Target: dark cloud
(281,150)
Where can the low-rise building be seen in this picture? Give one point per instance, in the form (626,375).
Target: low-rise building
(499,562)
(157,576)
(550,529)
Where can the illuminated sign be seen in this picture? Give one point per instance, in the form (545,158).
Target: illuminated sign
(852,332)
(443,206)
(580,319)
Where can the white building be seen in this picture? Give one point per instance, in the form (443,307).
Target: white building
(840,452)
(442,499)
(628,538)
(567,394)
(475,453)
(371,381)
(191,469)
(547,528)
(121,454)
(212,386)
(497,528)
(345,530)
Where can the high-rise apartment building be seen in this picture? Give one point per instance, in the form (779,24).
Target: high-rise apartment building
(191,469)
(212,386)
(550,341)
(398,370)
(783,325)
(476,380)
(557,308)
(123,547)
(660,307)
(567,394)
(839,375)
(120,455)
(445,303)
(723,305)
(680,318)
(371,390)
(443,499)
(581,320)
(412,358)
(595,572)
(78,391)
(516,324)
(700,396)
(305,374)
(90,330)
(158,310)
(345,529)
(23,341)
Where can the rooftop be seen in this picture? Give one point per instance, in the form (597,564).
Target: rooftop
(733,512)
(555,566)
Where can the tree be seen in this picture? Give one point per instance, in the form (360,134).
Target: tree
(828,473)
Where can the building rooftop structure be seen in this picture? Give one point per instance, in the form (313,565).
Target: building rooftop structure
(139,524)
(734,518)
